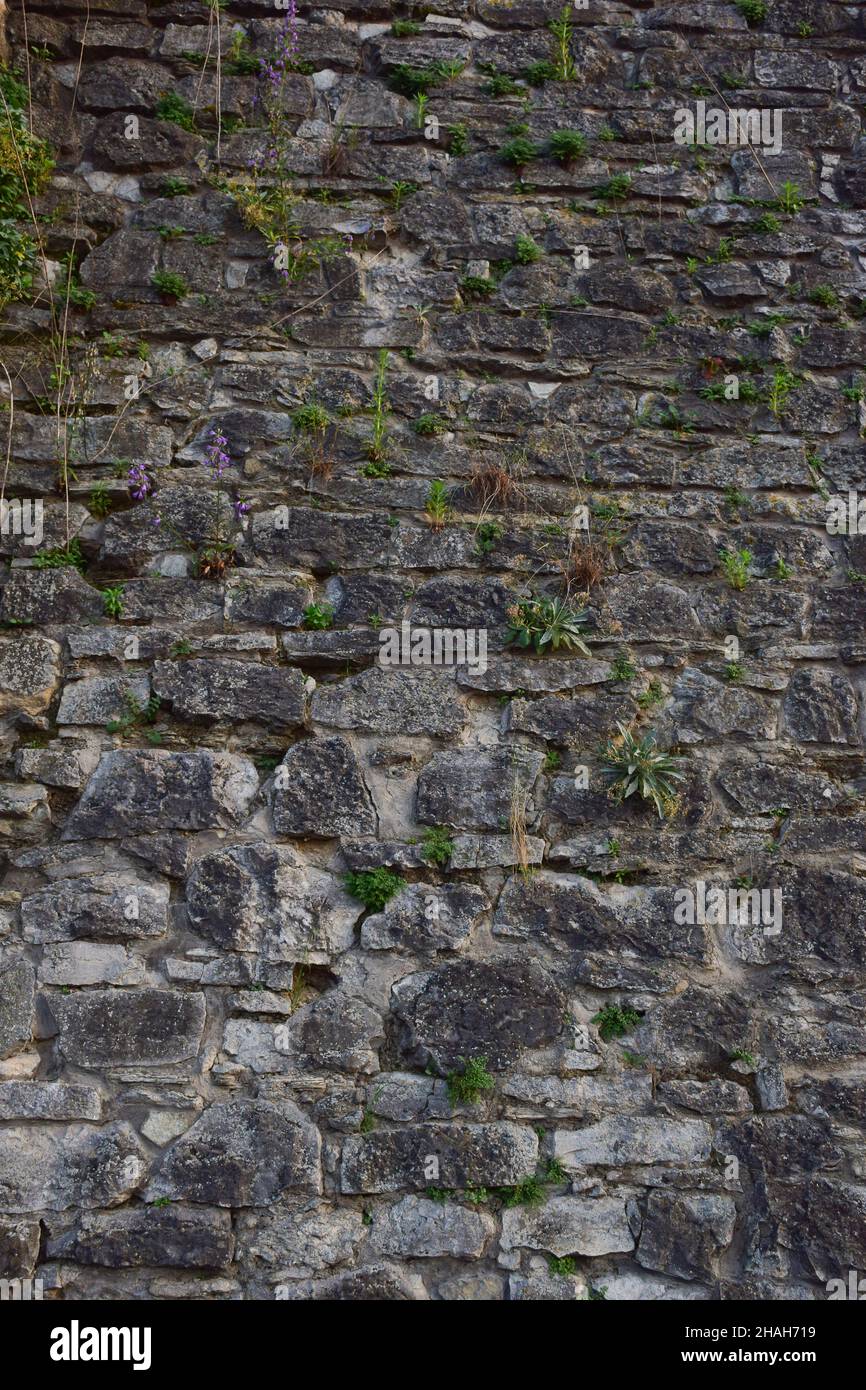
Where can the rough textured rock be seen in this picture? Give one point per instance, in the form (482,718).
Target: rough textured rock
(171,791)
(263,898)
(241,1154)
(462,392)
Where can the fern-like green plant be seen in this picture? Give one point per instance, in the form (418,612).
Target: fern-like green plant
(374,887)
(467,1086)
(637,766)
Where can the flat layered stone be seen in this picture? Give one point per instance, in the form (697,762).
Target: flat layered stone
(175,1236)
(169,791)
(115,1027)
(450,1156)
(240,1154)
(569,1226)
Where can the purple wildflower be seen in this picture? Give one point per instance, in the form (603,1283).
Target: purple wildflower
(241,507)
(217,456)
(140,481)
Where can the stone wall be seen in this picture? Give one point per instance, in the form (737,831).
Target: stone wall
(464,367)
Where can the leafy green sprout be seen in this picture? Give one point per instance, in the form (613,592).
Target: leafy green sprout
(614,1021)
(112,601)
(737,566)
(318,616)
(437,846)
(437,505)
(519,152)
(638,767)
(466,1087)
(169,284)
(567,145)
(374,887)
(526,250)
(487,536)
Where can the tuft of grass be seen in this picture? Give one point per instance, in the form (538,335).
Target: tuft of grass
(172,107)
(467,1086)
(564,1264)
(737,565)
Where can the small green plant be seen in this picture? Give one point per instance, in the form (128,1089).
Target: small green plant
(374,887)
(477,286)
(529,1192)
(552,761)
(437,846)
(622,668)
(519,152)
(526,251)
(633,766)
(499,84)
(174,187)
(782,383)
(310,418)
(112,601)
(135,715)
(790,199)
(61,557)
(402,188)
(734,672)
(240,61)
(437,506)
(742,1054)
(824,295)
(735,499)
(429,425)
(172,107)
(458,140)
(180,648)
(169,284)
(754,12)
(405,28)
(318,616)
(467,1086)
(737,565)
(564,1264)
(614,1021)
(546,624)
(615,190)
(781,568)
(377,447)
(653,695)
(567,145)
(99,501)
(561,58)
(487,536)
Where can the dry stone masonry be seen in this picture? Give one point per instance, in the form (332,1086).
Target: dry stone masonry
(524,337)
